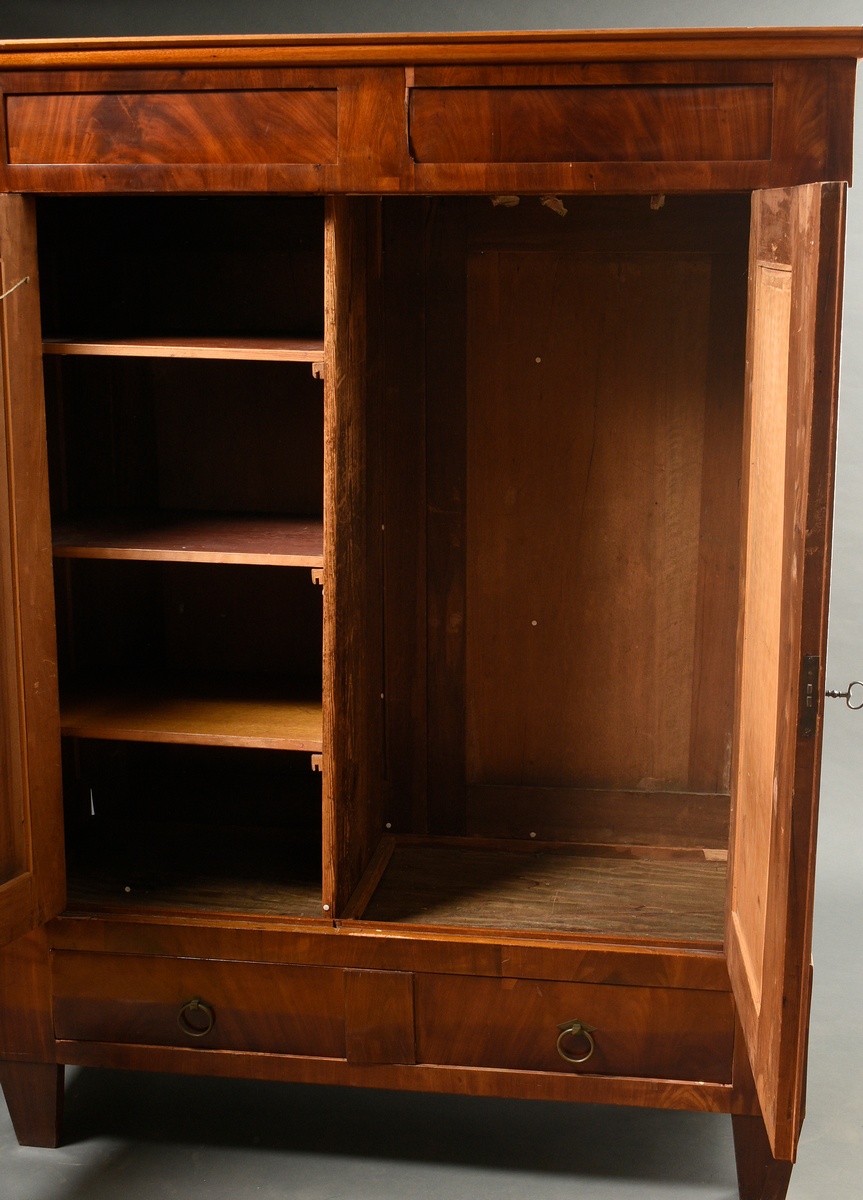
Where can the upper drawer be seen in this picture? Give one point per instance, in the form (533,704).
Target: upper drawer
(279,129)
(619,127)
(591,124)
(253,1006)
(207,127)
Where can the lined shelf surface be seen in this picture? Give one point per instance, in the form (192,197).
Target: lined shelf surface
(260,349)
(254,712)
(193,537)
(581,890)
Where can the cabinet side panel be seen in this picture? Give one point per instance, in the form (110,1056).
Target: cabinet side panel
(13,821)
(30,752)
(26,1024)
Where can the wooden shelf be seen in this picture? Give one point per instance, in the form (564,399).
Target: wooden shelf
(310,350)
(193,537)
(257,712)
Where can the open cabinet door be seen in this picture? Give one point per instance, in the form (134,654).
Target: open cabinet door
(792,353)
(32,883)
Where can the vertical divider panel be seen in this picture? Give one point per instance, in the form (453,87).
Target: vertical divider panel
(352,662)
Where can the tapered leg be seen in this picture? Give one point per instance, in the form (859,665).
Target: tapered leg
(760,1176)
(34,1095)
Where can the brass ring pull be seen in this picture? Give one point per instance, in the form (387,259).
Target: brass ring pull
(196,1006)
(575,1029)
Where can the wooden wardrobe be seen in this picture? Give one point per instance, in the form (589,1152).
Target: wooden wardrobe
(415,491)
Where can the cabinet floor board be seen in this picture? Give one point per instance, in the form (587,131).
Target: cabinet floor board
(534,889)
(137,866)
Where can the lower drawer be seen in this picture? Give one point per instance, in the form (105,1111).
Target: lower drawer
(514,1023)
(210,1004)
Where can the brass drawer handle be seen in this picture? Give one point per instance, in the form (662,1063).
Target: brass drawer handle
(190,1028)
(575,1029)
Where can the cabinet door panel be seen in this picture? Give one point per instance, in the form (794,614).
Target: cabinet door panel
(32,880)
(794,271)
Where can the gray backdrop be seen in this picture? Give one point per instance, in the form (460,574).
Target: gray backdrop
(831,1154)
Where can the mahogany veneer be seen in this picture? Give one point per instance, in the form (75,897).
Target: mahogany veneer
(448,716)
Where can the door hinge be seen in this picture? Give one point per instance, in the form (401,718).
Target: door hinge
(810,672)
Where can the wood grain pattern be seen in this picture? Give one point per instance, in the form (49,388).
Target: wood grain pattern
(14,857)
(759,1175)
(372,154)
(800,229)
(587,397)
(597,124)
(549,46)
(564,547)
(33,873)
(379,1017)
(548,888)
(193,537)
(570,959)
(178,127)
(353,660)
(34,1097)
(592,73)
(514,1023)
(26,1028)
(717,588)
(463,1081)
(761,661)
(256,1006)
(194,712)
(247,349)
(598,815)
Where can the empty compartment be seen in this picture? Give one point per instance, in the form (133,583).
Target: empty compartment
(561,564)
(218,655)
(188,827)
(158,266)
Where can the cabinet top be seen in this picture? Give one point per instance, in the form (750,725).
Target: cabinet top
(551,46)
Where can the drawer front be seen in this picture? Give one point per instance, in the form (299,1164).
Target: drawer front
(253,1006)
(597,124)
(143,128)
(514,1023)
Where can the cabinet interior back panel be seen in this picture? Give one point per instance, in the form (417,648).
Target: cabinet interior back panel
(593,527)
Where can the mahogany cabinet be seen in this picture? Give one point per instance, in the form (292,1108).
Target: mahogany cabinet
(415,509)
